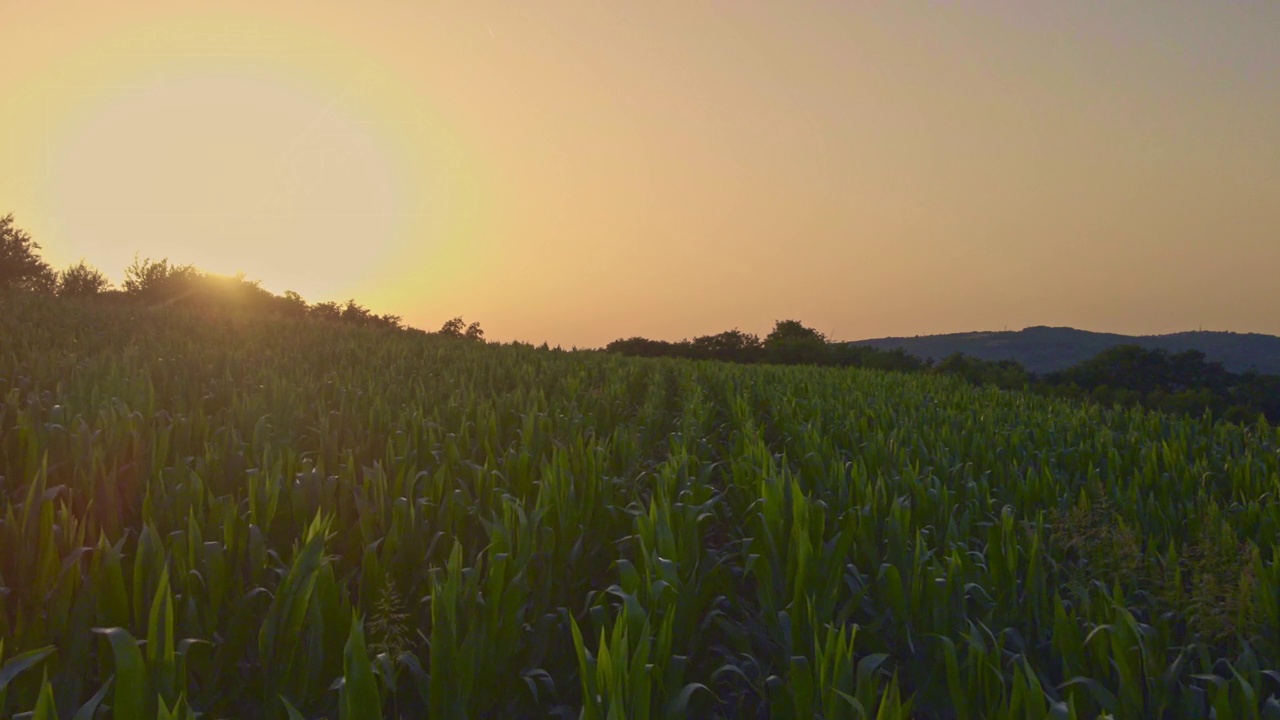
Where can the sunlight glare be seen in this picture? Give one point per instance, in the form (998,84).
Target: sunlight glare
(226,168)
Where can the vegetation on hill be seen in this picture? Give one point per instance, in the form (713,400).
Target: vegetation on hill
(790,343)
(1050,349)
(282,518)
(1184,382)
(1177,383)
(154,283)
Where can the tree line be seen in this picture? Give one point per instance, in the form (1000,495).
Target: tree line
(161,282)
(1184,382)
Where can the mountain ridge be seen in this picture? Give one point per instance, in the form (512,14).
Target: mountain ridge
(1044,349)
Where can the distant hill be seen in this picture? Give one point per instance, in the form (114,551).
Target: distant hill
(1046,349)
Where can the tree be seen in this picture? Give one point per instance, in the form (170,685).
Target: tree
(82,279)
(1006,374)
(21,267)
(454,327)
(292,305)
(793,331)
(644,347)
(159,280)
(458,328)
(791,342)
(327,310)
(731,345)
(355,313)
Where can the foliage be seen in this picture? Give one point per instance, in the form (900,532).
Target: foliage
(457,328)
(293,305)
(732,345)
(1184,383)
(790,342)
(389,624)
(1094,545)
(256,516)
(354,314)
(21,267)
(82,279)
(1043,350)
(1005,374)
(160,281)
(644,347)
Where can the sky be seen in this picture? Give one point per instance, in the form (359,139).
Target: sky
(576,172)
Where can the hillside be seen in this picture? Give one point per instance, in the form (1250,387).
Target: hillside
(1046,349)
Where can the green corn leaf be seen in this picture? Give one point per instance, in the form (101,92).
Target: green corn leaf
(291,710)
(89,710)
(46,709)
(132,692)
(19,664)
(361,699)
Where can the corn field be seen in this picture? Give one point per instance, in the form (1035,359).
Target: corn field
(236,517)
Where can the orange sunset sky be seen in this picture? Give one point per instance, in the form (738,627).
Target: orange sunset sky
(577,172)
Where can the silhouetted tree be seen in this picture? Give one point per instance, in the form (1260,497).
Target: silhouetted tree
(731,345)
(454,327)
(791,342)
(326,311)
(355,314)
(160,281)
(82,279)
(644,347)
(458,328)
(292,305)
(21,266)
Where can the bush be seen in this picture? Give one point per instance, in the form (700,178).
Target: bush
(82,279)
(160,281)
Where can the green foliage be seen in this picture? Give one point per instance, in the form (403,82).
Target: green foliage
(1182,384)
(360,697)
(389,624)
(790,342)
(133,692)
(1005,374)
(287,518)
(1094,545)
(15,666)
